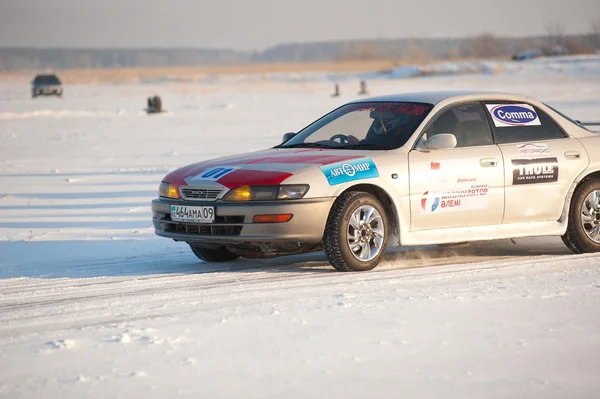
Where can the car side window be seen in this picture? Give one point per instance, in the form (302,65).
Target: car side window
(519,122)
(467,122)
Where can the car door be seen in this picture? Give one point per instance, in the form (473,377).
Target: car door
(462,186)
(541,161)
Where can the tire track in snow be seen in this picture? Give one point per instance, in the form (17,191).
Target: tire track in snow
(127,300)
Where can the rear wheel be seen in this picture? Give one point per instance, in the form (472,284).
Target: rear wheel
(583,231)
(356,234)
(213,255)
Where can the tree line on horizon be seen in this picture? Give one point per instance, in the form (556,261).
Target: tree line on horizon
(485,45)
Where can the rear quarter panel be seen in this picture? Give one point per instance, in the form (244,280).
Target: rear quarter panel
(592,147)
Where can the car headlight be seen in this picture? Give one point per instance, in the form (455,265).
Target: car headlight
(168,190)
(266,193)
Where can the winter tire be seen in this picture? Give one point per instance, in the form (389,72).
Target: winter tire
(213,255)
(356,233)
(583,231)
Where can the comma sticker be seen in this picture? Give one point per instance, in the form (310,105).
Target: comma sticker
(507,115)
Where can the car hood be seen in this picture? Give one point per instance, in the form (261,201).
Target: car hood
(268,167)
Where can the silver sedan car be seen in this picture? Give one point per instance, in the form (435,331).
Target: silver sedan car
(407,169)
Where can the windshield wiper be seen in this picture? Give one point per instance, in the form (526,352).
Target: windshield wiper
(366,146)
(307,145)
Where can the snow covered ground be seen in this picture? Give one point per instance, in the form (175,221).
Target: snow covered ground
(582,65)
(92,304)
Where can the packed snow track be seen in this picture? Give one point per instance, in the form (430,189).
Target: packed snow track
(93,304)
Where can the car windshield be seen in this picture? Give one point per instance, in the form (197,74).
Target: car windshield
(46,80)
(367,125)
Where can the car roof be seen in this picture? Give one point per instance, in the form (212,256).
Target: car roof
(435,97)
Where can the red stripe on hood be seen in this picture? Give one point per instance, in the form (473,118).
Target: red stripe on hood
(178,176)
(242,177)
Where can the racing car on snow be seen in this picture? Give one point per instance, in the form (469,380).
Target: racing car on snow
(408,169)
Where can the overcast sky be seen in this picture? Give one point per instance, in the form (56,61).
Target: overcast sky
(256,24)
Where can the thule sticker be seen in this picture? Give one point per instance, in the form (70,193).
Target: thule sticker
(214,173)
(356,169)
(506,115)
(532,171)
(533,149)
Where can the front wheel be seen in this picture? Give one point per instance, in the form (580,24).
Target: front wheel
(213,255)
(356,234)
(583,231)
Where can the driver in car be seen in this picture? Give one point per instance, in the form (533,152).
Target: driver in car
(388,129)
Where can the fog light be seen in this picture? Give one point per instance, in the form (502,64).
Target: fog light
(154,216)
(279,218)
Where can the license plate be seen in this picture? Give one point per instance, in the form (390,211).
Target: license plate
(194,214)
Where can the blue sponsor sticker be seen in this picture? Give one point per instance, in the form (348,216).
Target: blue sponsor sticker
(505,115)
(355,169)
(214,174)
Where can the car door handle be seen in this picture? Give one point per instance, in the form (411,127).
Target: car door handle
(573,155)
(488,162)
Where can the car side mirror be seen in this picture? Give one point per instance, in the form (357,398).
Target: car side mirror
(287,136)
(442,141)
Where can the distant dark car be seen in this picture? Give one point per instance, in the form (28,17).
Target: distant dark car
(528,54)
(46,85)
(541,52)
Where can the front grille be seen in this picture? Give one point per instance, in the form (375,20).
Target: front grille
(223,226)
(205,229)
(200,193)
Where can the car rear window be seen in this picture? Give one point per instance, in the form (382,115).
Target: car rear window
(567,117)
(521,122)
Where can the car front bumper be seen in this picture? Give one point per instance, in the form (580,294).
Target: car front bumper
(233,222)
(46,91)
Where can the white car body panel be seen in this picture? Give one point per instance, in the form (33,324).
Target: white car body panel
(456,187)
(535,202)
(489,201)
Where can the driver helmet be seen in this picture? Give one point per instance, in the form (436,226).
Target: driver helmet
(387,122)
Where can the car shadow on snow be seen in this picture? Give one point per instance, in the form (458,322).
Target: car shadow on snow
(119,258)
(135,223)
(52,207)
(83,195)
